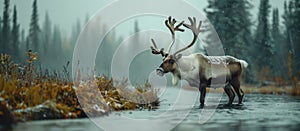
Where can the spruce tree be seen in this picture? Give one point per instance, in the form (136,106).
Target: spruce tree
(292,32)
(280,47)
(22,45)
(136,26)
(34,28)
(136,30)
(5,28)
(75,33)
(15,34)
(287,23)
(56,43)
(275,24)
(1,45)
(263,41)
(296,36)
(46,34)
(232,21)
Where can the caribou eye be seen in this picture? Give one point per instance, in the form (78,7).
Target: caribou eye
(171,61)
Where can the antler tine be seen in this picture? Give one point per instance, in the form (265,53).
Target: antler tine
(153,42)
(170,23)
(154,48)
(196,30)
(199,26)
(156,51)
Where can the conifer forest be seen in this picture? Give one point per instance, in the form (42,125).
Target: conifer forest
(39,79)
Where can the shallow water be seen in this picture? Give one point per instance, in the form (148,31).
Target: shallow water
(259,112)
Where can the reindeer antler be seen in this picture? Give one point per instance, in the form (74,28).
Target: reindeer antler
(196,30)
(156,51)
(170,23)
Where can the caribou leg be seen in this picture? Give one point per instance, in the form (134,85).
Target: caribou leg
(236,86)
(202,90)
(228,90)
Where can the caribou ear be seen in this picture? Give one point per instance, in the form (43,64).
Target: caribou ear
(178,56)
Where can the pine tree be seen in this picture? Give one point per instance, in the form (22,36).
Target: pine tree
(5,46)
(136,26)
(27,44)
(23,39)
(56,43)
(287,23)
(296,36)
(232,21)
(22,47)
(215,14)
(34,27)
(136,30)
(75,32)
(15,34)
(292,32)
(275,24)
(46,34)
(280,47)
(263,40)
(1,35)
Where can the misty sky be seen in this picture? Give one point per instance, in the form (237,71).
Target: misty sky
(64,13)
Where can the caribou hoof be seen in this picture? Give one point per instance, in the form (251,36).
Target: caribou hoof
(240,104)
(201,106)
(228,105)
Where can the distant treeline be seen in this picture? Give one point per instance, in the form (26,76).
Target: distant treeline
(272,50)
(54,48)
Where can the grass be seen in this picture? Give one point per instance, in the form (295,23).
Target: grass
(27,94)
(272,90)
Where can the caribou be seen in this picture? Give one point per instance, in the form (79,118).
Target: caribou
(198,69)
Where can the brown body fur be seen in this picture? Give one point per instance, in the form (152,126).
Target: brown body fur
(197,69)
(231,76)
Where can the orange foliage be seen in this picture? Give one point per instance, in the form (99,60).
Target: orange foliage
(22,88)
(280,81)
(289,64)
(264,74)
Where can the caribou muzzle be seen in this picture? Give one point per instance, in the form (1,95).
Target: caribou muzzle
(160,71)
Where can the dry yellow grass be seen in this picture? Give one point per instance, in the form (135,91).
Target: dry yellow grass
(25,89)
(289,90)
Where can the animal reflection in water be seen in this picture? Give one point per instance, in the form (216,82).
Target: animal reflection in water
(198,69)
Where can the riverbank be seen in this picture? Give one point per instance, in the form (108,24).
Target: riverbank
(259,112)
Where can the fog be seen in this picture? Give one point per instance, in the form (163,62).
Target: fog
(67,18)
(65,12)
